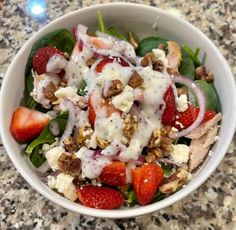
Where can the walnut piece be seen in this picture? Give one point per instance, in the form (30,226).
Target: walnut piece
(135,80)
(203,74)
(153,154)
(84,133)
(49,91)
(150,58)
(90,62)
(70,145)
(112,88)
(182,91)
(155,139)
(130,125)
(68,164)
(102,143)
(175,181)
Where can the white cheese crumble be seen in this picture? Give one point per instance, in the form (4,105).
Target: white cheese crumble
(180,153)
(160,54)
(182,103)
(124,100)
(53,155)
(63,183)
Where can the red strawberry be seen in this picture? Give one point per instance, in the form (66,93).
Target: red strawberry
(42,56)
(168,115)
(146,180)
(105,104)
(26,124)
(100,197)
(110,59)
(186,118)
(114,174)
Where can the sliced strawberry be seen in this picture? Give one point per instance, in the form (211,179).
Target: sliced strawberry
(42,56)
(186,118)
(100,197)
(114,174)
(105,104)
(168,115)
(26,124)
(146,180)
(110,59)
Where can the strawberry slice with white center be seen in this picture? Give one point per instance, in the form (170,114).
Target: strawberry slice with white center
(27,124)
(42,56)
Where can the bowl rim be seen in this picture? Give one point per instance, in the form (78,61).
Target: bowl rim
(121,213)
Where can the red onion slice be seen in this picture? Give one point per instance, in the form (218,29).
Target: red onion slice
(201,102)
(42,169)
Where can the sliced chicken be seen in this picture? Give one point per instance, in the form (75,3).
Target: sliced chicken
(205,127)
(174,57)
(200,147)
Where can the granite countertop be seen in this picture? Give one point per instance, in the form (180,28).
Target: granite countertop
(212,206)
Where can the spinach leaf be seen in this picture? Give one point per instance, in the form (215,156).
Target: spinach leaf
(130,196)
(158,196)
(149,43)
(218,105)
(113,31)
(192,54)
(184,141)
(31,103)
(167,170)
(187,68)
(61,120)
(29,82)
(210,94)
(82,90)
(37,158)
(45,137)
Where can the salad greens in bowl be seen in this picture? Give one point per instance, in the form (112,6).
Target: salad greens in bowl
(117,115)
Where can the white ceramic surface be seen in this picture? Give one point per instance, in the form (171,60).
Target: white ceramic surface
(140,19)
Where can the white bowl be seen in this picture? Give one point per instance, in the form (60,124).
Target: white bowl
(140,19)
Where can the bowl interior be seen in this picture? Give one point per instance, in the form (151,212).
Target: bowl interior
(141,20)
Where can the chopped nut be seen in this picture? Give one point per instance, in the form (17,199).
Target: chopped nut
(150,158)
(153,154)
(182,91)
(203,74)
(70,145)
(130,125)
(84,133)
(135,80)
(90,62)
(149,58)
(102,144)
(158,65)
(49,91)
(68,164)
(155,139)
(113,88)
(175,181)
(166,145)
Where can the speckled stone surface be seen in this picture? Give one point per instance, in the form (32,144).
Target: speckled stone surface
(212,206)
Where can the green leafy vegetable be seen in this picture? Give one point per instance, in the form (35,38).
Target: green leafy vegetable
(130,196)
(210,94)
(36,157)
(82,91)
(218,105)
(192,54)
(167,170)
(31,103)
(45,137)
(184,141)
(149,43)
(187,68)
(113,31)
(158,196)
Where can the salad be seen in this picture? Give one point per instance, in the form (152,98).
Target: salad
(110,121)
